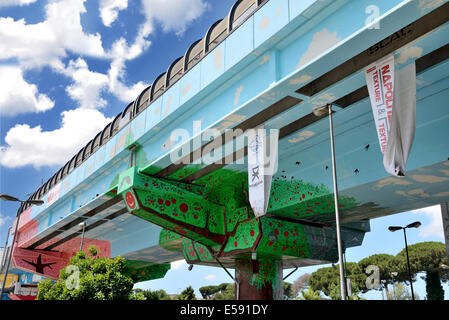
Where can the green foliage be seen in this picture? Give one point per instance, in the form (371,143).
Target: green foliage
(385,263)
(327,280)
(428,257)
(227,294)
(156,295)
(93,250)
(355,297)
(288,292)
(400,292)
(424,257)
(187,294)
(89,278)
(434,289)
(224,291)
(137,296)
(209,291)
(310,295)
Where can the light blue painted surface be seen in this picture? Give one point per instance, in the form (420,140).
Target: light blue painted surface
(255,78)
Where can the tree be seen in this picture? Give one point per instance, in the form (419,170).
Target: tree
(327,280)
(400,292)
(300,284)
(386,265)
(151,295)
(89,278)
(187,294)
(209,291)
(288,292)
(227,294)
(425,257)
(310,295)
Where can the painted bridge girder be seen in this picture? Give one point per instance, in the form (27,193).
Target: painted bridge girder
(211,230)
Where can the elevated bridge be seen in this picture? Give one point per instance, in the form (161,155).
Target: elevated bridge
(267,63)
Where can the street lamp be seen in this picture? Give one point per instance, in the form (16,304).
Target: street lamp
(5,250)
(82,225)
(320,112)
(415,224)
(6,197)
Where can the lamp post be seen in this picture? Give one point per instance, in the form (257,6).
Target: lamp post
(6,197)
(320,112)
(82,225)
(5,250)
(415,224)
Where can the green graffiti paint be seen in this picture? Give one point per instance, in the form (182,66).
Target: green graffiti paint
(211,218)
(282,238)
(244,237)
(144,271)
(170,240)
(184,172)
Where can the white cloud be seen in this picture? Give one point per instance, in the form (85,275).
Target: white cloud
(31,146)
(210,277)
(120,53)
(176,265)
(87,85)
(44,43)
(109,10)
(18,96)
(174,15)
(7,3)
(4,219)
(435,227)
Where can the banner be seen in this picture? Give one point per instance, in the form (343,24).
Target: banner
(393,101)
(380,82)
(261,167)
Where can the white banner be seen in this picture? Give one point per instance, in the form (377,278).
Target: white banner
(261,167)
(380,82)
(393,101)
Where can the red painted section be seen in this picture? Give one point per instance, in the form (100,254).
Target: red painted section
(20,297)
(25,217)
(27,233)
(44,263)
(130,200)
(73,246)
(49,264)
(28,228)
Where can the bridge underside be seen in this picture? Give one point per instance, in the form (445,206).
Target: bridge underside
(154,212)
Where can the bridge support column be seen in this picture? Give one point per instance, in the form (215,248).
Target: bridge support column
(258,279)
(445,217)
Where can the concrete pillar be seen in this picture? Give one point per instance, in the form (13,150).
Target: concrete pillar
(259,279)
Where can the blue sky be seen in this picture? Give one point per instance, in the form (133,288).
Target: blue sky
(68,67)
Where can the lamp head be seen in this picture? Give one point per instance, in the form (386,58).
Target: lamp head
(6,197)
(394,228)
(415,224)
(322,111)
